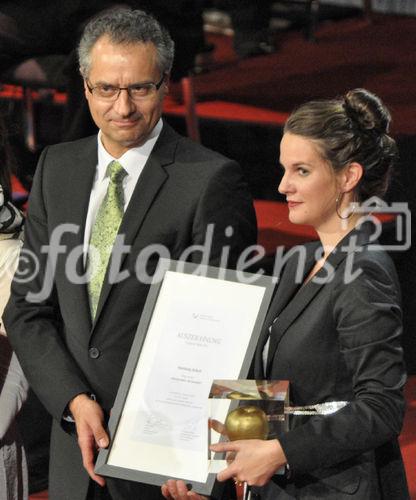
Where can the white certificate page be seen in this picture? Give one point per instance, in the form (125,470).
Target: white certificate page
(199,331)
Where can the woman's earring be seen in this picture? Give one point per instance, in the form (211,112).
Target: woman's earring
(350,211)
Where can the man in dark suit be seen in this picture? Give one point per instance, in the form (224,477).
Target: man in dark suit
(138,189)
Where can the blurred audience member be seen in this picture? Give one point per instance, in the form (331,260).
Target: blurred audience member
(247,20)
(13,385)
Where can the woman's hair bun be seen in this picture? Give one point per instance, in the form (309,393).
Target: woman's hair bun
(367,111)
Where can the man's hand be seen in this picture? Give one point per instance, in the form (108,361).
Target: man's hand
(89,420)
(255,460)
(178,490)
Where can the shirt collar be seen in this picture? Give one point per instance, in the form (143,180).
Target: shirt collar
(131,158)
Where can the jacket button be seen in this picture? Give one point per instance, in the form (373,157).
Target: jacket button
(93,353)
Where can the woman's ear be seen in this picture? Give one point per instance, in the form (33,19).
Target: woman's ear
(351,176)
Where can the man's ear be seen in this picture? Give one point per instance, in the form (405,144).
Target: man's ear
(86,91)
(351,176)
(166,83)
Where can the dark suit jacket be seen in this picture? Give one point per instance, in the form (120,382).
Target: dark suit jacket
(183,188)
(337,339)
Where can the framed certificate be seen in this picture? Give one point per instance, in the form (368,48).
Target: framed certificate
(199,323)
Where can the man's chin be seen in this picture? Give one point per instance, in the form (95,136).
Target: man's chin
(129,138)
(125,125)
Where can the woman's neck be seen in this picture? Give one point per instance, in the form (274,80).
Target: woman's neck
(330,237)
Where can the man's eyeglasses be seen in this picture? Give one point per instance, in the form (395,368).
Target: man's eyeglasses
(136,92)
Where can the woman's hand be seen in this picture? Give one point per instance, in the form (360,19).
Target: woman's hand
(255,460)
(178,490)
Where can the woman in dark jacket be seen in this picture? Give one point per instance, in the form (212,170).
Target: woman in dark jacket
(333,329)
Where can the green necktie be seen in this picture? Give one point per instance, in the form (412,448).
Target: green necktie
(104,231)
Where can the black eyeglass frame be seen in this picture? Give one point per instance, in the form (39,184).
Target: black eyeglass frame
(128,89)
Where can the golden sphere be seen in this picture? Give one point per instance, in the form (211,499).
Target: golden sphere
(247,422)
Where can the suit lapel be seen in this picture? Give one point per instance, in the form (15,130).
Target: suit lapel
(147,188)
(288,315)
(289,311)
(81,172)
(285,291)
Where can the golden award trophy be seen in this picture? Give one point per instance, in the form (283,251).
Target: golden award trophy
(246,409)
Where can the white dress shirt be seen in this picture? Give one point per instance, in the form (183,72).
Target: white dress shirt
(133,162)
